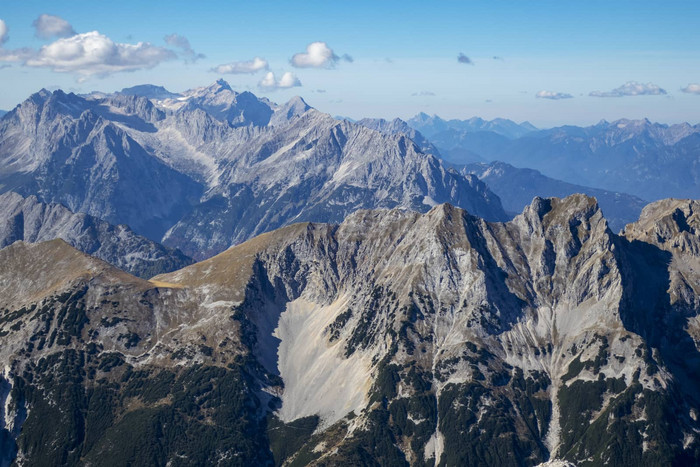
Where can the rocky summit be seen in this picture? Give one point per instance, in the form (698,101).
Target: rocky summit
(392,338)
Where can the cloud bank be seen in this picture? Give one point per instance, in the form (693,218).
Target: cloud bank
(553,95)
(631,88)
(242,67)
(270,83)
(49,26)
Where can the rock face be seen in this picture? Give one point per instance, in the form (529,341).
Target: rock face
(100,353)
(392,338)
(317,168)
(29,220)
(212,167)
(517,187)
(65,149)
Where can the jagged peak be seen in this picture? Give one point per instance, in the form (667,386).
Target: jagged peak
(40,95)
(293,107)
(220,85)
(562,211)
(671,222)
(217,87)
(297,100)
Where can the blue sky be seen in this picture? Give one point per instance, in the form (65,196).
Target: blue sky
(404,55)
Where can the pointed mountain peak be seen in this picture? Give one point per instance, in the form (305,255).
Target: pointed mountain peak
(423,117)
(220,85)
(42,94)
(297,105)
(528,126)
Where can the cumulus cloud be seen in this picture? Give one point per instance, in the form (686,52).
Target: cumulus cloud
(692,89)
(94,54)
(181,42)
(270,83)
(553,95)
(631,88)
(49,26)
(423,94)
(461,58)
(242,67)
(317,55)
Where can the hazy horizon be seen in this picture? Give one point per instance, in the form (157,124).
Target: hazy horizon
(550,64)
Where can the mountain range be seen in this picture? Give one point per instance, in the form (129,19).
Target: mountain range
(393,338)
(212,167)
(209,277)
(648,160)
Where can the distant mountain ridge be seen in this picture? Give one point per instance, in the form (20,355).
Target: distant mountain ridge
(398,126)
(645,159)
(431,125)
(26,219)
(517,187)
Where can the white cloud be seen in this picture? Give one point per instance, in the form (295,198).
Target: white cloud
(94,54)
(631,88)
(48,26)
(553,95)
(288,80)
(317,55)
(181,42)
(3,32)
(242,67)
(692,89)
